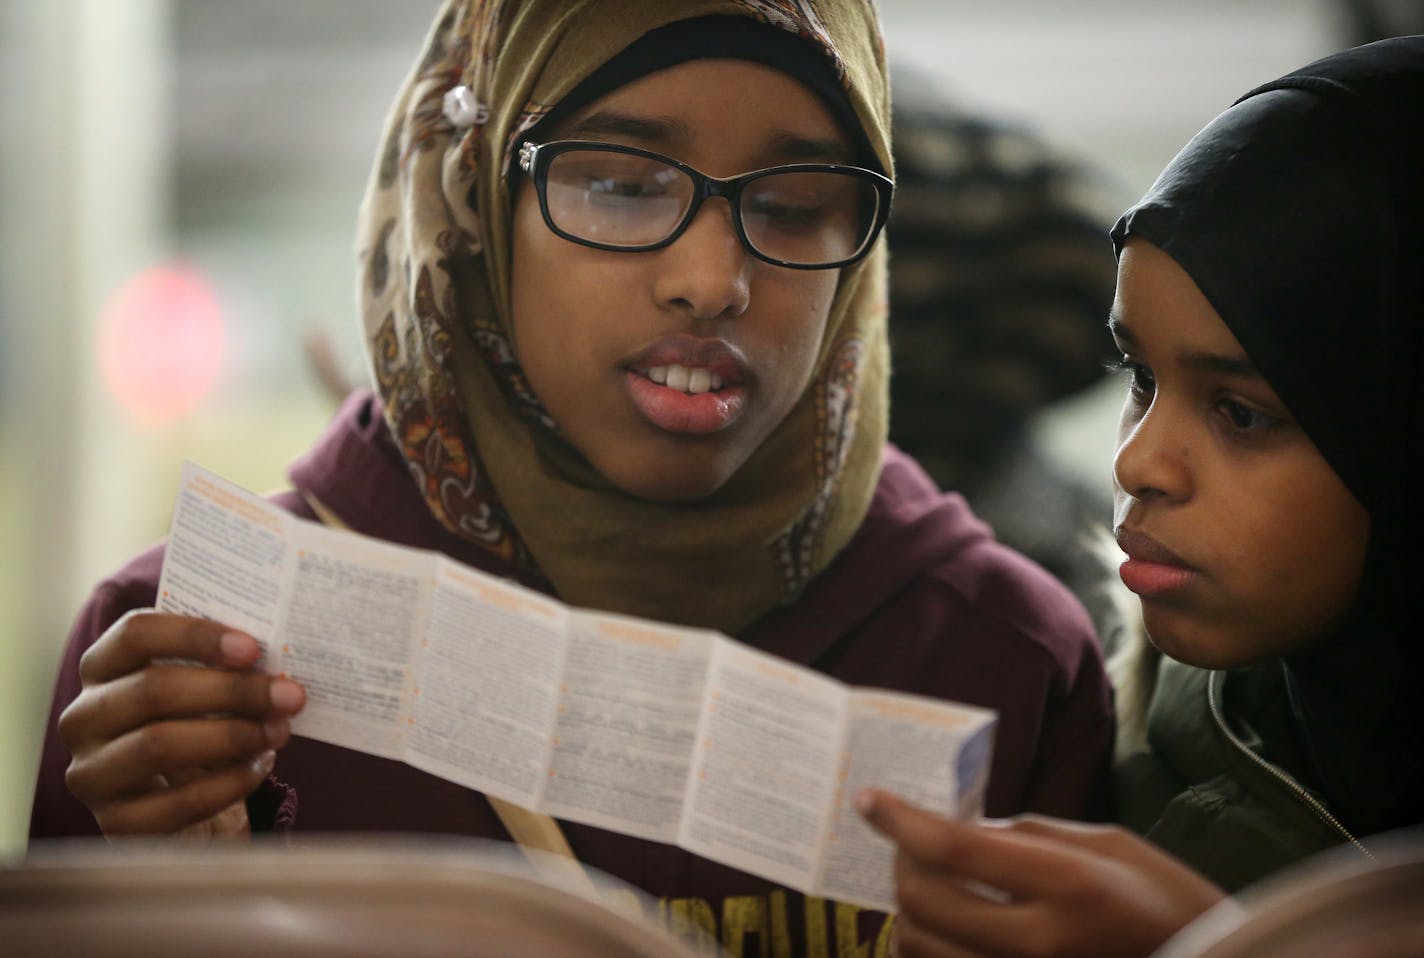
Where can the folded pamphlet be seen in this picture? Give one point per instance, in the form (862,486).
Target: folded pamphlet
(658,731)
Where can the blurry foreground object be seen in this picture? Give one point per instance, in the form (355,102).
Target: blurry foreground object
(355,897)
(1336,905)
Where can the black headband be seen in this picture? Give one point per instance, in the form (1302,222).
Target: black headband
(730,38)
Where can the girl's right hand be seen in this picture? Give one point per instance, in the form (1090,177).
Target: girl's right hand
(173,727)
(1030,886)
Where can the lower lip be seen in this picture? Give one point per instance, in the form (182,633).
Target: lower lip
(1149,579)
(678,412)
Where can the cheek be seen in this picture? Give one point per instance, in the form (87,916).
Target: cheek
(1308,559)
(526,259)
(803,307)
(1327,543)
(546,315)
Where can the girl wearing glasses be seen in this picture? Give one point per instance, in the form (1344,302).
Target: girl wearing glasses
(1269,314)
(626,316)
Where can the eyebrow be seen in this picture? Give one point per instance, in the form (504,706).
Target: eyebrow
(1239,366)
(652,129)
(793,146)
(670,131)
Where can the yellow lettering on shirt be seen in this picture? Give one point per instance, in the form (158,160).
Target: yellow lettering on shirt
(741,916)
(848,943)
(692,920)
(759,926)
(817,942)
(780,926)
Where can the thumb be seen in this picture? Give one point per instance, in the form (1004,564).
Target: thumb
(919,833)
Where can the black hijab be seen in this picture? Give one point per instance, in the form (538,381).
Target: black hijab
(1299,213)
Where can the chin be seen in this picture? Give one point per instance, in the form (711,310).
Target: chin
(1216,654)
(670,487)
(1193,643)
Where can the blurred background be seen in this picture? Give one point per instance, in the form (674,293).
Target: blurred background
(178,186)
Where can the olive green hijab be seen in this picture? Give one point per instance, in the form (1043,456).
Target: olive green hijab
(433,243)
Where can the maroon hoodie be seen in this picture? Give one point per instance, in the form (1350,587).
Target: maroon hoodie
(922,600)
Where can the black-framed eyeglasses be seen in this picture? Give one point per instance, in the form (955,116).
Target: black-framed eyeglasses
(802,216)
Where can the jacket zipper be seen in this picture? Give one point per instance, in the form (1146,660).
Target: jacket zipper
(1213,694)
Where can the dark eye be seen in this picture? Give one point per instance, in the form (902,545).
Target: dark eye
(1243,418)
(623,187)
(1141,383)
(786,216)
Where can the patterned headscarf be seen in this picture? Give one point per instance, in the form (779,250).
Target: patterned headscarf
(434,247)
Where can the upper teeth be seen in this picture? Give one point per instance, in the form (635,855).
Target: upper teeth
(683,379)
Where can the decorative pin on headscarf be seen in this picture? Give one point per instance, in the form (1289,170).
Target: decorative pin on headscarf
(463,109)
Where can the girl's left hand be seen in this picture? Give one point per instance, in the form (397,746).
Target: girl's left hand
(1031,886)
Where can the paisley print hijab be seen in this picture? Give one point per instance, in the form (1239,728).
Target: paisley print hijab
(433,243)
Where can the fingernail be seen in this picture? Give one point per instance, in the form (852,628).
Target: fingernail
(864,802)
(285,695)
(277,731)
(236,645)
(263,763)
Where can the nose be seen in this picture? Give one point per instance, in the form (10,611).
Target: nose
(1153,458)
(706,272)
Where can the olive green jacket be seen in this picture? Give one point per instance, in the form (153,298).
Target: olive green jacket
(1213,787)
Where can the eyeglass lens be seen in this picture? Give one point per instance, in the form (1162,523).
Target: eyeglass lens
(619,199)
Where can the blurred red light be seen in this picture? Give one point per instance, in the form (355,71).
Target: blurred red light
(161,342)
